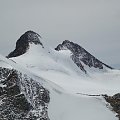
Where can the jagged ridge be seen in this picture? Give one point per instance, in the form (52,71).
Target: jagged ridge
(22,44)
(80,55)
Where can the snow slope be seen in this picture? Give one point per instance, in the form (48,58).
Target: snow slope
(61,70)
(68,85)
(64,106)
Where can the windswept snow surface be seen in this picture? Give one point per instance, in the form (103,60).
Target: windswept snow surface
(70,107)
(67,83)
(60,69)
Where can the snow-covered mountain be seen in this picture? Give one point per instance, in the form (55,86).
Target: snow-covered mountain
(81,57)
(65,83)
(23,42)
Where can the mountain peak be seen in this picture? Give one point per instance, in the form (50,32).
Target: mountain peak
(65,45)
(80,56)
(22,44)
(31,37)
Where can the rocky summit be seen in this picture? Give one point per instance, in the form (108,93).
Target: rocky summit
(22,44)
(80,56)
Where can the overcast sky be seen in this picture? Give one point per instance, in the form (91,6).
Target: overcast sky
(93,24)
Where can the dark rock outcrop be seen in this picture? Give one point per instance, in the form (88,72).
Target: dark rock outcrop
(22,44)
(80,56)
(21,97)
(114,102)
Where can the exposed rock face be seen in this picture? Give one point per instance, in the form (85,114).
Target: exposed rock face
(21,97)
(114,102)
(80,56)
(22,44)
